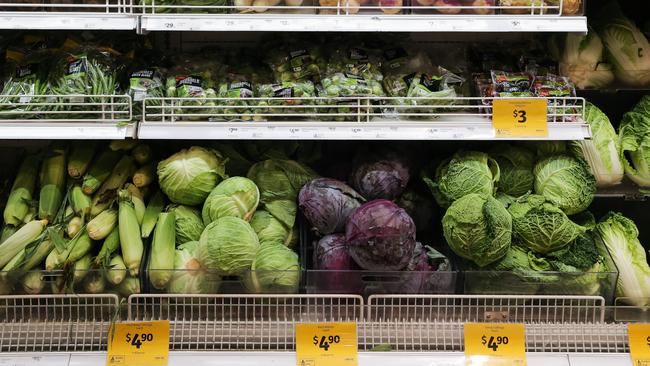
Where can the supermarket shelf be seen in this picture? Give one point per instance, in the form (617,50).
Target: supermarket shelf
(288,359)
(627,190)
(361,23)
(458,129)
(65,130)
(67,21)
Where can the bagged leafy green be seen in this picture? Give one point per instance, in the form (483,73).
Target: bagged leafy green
(283,94)
(25,77)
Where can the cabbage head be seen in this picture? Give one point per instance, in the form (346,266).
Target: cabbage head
(188,176)
(279,182)
(478,228)
(565,182)
(634,133)
(270,230)
(628,50)
(547,148)
(228,245)
(189,275)
(189,224)
(235,196)
(466,172)
(515,168)
(602,152)
(541,226)
(275,269)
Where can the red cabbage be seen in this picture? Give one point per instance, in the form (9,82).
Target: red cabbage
(327,204)
(380,236)
(382,177)
(331,255)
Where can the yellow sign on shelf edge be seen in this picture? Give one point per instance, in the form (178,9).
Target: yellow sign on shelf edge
(520,117)
(495,344)
(639,341)
(138,344)
(326,344)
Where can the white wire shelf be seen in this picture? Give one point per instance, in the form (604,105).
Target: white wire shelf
(345,118)
(66,117)
(310,16)
(66,15)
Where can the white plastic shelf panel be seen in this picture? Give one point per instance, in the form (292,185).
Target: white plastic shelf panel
(44,15)
(361,23)
(66,117)
(351,118)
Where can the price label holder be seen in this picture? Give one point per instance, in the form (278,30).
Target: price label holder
(138,344)
(520,117)
(326,344)
(495,344)
(639,341)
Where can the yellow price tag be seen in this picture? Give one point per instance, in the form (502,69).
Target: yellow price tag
(520,117)
(138,344)
(639,340)
(492,344)
(326,344)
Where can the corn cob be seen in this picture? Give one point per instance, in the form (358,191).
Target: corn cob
(161,261)
(95,284)
(99,170)
(80,268)
(8,231)
(106,193)
(116,271)
(156,205)
(31,215)
(53,175)
(122,145)
(138,201)
(80,202)
(74,226)
(80,158)
(142,154)
(52,261)
(77,248)
(102,225)
(40,252)
(109,246)
(15,262)
(144,175)
(33,283)
(129,286)
(130,240)
(19,240)
(22,192)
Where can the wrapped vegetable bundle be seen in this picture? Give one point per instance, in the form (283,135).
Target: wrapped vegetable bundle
(340,90)
(283,94)
(25,77)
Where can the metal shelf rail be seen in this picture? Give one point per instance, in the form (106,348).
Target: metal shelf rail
(358,118)
(79,323)
(69,116)
(339,16)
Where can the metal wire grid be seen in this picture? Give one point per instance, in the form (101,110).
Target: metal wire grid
(354,109)
(56,322)
(423,336)
(54,6)
(477,308)
(241,322)
(68,108)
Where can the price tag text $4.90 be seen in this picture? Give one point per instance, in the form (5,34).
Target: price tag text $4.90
(138,344)
(495,344)
(326,344)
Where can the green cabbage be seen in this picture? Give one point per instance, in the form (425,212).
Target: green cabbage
(466,172)
(540,226)
(189,275)
(275,270)
(620,236)
(235,196)
(634,133)
(602,152)
(271,230)
(189,224)
(228,245)
(566,182)
(478,228)
(279,182)
(516,169)
(188,176)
